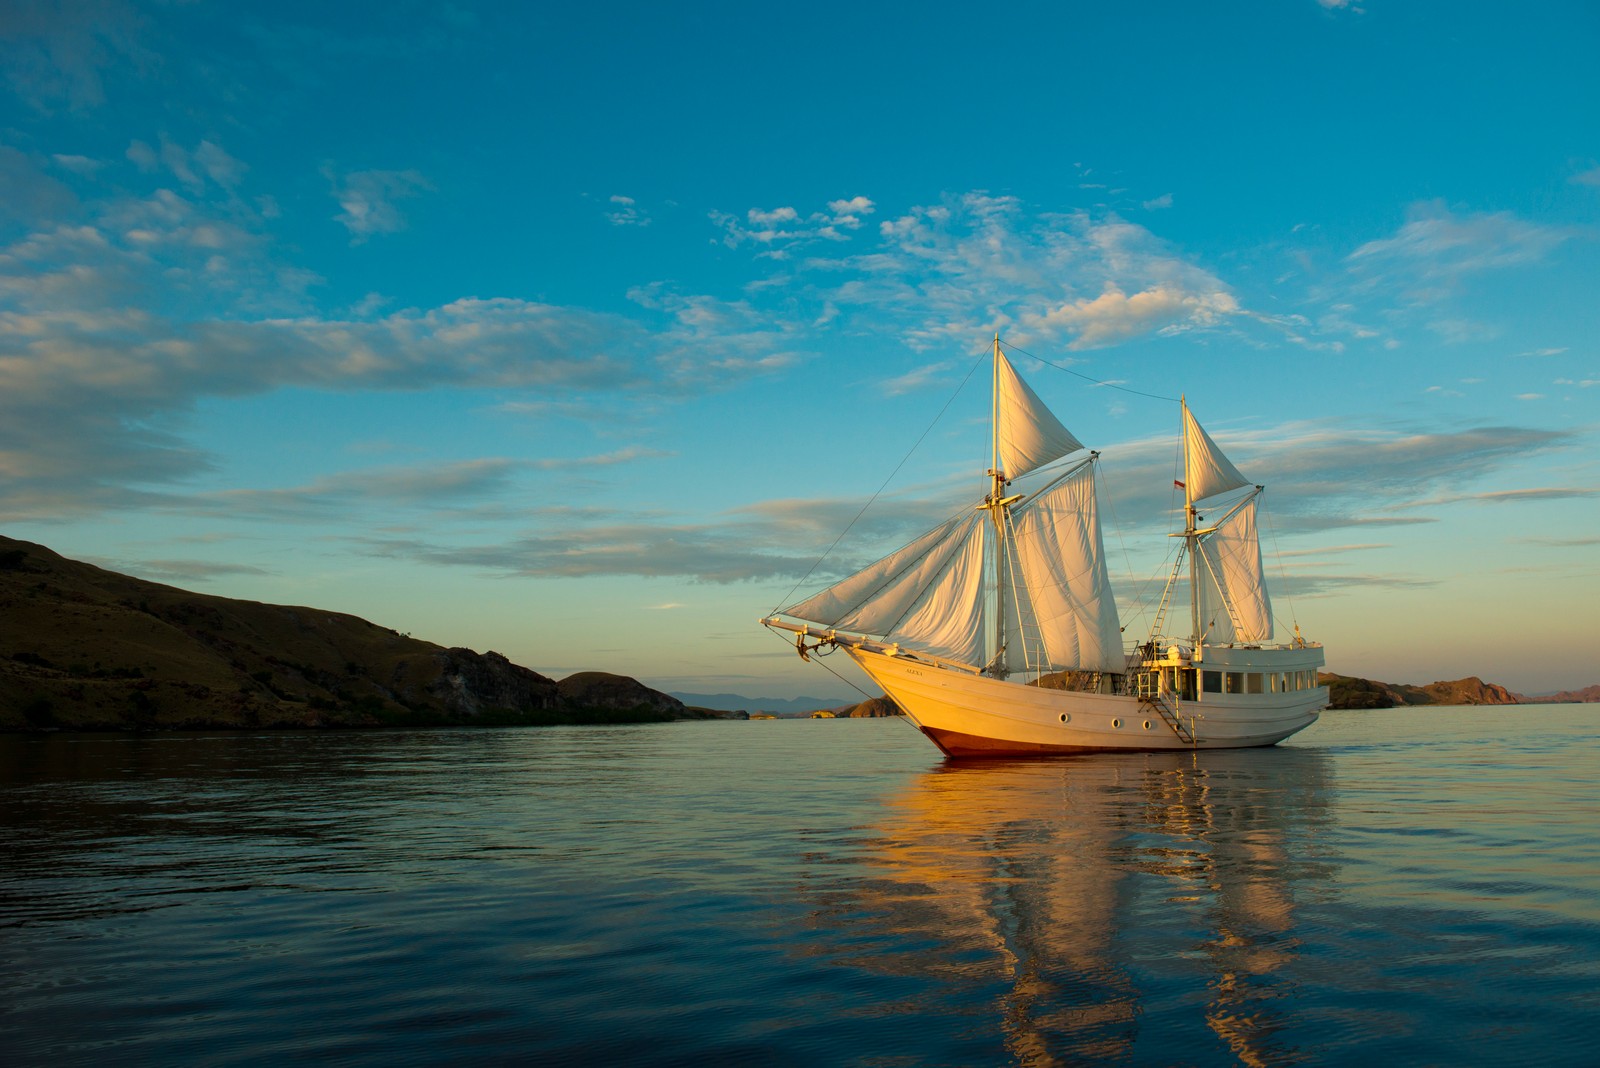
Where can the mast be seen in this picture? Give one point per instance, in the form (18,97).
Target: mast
(996,504)
(1191,540)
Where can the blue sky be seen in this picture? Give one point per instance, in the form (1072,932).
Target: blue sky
(580,334)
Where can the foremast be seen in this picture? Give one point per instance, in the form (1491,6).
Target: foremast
(1224,558)
(998,504)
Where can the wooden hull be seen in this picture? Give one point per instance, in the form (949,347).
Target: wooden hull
(968,715)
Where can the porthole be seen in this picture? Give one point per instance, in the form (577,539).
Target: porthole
(1116,723)
(1066,717)
(1146,724)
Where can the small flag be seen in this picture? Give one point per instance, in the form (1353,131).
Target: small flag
(1175,482)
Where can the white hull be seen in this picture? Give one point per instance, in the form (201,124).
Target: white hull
(969,715)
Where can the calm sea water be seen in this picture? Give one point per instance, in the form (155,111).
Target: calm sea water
(1412,887)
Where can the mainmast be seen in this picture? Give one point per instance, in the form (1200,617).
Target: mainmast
(996,503)
(1191,540)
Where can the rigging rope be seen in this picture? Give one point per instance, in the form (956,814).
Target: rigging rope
(1283,572)
(1086,378)
(870,501)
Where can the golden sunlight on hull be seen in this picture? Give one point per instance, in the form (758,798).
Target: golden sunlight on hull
(968,715)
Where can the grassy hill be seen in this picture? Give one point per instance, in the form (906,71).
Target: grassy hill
(86,648)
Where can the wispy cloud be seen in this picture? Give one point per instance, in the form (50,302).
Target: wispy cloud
(367,199)
(778,231)
(1437,248)
(625,211)
(976,263)
(185,571)
(58,53)
(1588,177)
(206,161)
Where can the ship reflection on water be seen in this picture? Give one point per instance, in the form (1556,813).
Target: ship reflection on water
(1091,906)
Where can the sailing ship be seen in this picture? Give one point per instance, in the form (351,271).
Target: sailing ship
(998,634)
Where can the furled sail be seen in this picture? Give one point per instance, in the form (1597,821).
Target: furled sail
(1027,434)
(1209,472)
(1235,584)
(1062,605)
(928,595)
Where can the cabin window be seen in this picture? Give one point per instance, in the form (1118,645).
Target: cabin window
(1252,682)
(1211,681)
(1236,682)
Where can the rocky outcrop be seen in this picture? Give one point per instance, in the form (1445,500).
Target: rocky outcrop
(1351,693)
(1469,691)
(470,683)
(603,691)
(873,708)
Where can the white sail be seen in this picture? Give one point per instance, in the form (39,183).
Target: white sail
(1235,582)
(1027,434)
(948,620)
(927,595)
(1062,592)
(1207,470)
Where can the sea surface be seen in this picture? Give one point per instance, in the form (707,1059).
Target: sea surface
(1415,886)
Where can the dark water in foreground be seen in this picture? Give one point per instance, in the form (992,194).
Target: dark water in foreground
(1408,887)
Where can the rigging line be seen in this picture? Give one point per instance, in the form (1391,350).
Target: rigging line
(1086,378)
(886,482)
(1283,572)
(1102,494)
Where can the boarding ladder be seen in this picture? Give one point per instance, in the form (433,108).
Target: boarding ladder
(1165,706)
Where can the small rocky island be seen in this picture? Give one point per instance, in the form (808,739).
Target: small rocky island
(83,648)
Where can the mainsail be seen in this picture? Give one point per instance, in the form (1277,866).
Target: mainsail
(1063,612)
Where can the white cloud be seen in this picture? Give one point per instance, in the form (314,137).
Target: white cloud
(772,218)
(367,200)
(978,263)
(1588,177)
(625,211)
(80,165)
(1114,316)
(779,230)
(1163,201)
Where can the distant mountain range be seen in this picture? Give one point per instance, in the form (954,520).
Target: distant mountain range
(1587,695)
(782,706)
